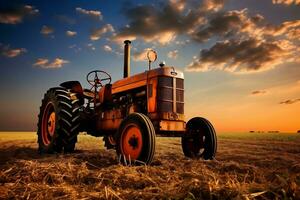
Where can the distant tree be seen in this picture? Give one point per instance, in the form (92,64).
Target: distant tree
(298,131)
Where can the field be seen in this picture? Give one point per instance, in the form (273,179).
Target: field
(247,166)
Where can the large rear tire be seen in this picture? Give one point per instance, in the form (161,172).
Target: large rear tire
(58,123)
(136,139)
(200,139)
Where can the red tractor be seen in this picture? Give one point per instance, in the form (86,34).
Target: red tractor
(128,113)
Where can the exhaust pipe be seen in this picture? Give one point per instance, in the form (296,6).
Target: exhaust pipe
(127,58)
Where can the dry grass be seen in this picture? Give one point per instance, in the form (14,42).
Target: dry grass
(248,166)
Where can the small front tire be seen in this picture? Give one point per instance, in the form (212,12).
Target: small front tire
(136,139)
(200,139)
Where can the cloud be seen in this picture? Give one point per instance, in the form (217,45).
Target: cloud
(46,30)
(246,43)
(96,34)
(258,92)
(71,33)
(289,101)
(75,48)
(141,55)
(242,56)
(212,5)
(286,2)
(163,24)
(45,64)
(16,15)
(226,25)
(282,29)
(91,46)
(107,48)
(11,53)
(95,14)
(249,43)
(173,54)
(294,34)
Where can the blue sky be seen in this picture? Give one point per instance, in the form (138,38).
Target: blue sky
(232,93)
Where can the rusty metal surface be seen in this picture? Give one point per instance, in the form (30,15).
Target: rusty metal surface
(140,80)
(166,125)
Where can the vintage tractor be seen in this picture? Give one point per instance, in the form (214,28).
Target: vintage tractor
(128,113)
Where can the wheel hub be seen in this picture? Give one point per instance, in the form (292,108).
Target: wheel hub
(48,123)
(51,123)
(133,142)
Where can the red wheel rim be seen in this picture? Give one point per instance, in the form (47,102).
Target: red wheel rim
(48,123)
(131,142)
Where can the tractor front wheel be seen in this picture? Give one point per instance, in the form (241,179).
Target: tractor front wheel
(136,139)
(200,139)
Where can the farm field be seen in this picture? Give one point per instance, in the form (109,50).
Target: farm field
(247,166)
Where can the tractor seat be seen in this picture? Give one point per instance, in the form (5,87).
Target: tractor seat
(105,95)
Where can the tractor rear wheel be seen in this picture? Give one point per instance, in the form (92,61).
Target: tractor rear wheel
(136,139)
(200,140)
(58,123)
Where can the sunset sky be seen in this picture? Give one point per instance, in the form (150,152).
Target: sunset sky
(240,57)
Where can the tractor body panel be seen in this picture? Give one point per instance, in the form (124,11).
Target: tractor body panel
(157,93)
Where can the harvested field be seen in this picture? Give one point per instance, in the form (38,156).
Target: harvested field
(247,166)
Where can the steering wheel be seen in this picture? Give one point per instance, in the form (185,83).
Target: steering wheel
(98,78)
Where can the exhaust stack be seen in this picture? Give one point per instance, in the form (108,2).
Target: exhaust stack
(127,58)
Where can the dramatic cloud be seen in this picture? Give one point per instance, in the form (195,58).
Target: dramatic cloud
(95,14)
(173,54)
(163,24)
(44,63)
(71,33)
(249,43)
(249,55)
(258,92)
(286,2)
(290,101)
(282,29)
(46,30)
(226,25)
(96,34)
(107,48)
(16,15)
(9,52)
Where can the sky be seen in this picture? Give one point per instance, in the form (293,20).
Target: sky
(240,58)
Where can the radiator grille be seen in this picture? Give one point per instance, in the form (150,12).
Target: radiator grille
(166,93)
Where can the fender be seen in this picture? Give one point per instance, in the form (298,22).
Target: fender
(74,86)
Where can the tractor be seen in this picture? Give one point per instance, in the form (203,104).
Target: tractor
(129,114)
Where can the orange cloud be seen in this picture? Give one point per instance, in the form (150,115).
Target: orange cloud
(286,2)
(11,53)
(45,64)
(16,15)
(96,34)
(46,30)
